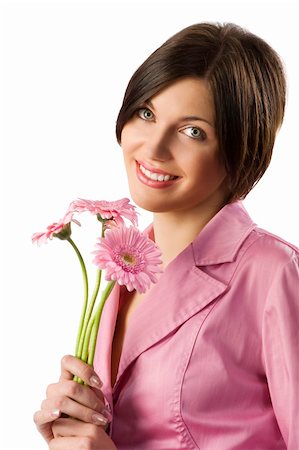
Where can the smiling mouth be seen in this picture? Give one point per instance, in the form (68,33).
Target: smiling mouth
(156,176)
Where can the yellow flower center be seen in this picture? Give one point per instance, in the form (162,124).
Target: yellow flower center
(129,258)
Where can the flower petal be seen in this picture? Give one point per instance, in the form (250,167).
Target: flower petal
(129,257)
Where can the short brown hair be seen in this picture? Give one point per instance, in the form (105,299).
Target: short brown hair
(248,84)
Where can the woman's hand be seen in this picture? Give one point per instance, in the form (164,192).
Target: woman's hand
(77,435)
(67,397)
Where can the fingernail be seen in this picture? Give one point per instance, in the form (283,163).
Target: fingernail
(55,413)
(95,382)
(99,420)
(107,414)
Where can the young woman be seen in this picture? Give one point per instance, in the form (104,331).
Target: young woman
(208,358)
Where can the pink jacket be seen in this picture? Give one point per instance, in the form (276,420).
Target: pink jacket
(211,357)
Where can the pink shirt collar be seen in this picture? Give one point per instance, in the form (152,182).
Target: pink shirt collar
(221,238)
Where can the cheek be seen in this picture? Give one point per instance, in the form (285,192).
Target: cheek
(215,173)
(124,142)
(129,138)
(207,171)
(127,159)
(216,169)
(127,149)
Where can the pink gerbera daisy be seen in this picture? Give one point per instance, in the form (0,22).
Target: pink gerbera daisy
(115,210)
(128,257)
(60,229)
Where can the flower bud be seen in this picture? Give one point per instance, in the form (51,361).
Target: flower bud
(65,232)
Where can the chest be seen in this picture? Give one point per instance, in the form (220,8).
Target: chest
(190,376)
(129,303)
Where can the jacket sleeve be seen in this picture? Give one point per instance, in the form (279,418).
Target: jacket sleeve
(281,348)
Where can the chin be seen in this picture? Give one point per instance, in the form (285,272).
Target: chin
(150,206)
(155,204)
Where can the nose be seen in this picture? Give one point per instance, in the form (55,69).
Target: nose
(158,145)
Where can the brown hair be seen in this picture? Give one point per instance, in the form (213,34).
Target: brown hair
(247,80)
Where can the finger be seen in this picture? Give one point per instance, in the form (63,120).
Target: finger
(43,420)
(67,443)
(77,411)
(76,443)
(71,366)
(81,394)
(46,416)
(76,435)
(64,427)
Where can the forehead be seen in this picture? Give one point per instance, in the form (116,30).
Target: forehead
(186,96)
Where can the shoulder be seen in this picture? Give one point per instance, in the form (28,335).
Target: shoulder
(270,260)
(264,245)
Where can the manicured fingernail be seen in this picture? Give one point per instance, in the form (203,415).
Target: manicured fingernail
(55,413)
(107,414)
(95,382)
(99,420)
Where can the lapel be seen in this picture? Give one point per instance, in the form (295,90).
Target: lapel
(102,359)
(184,289)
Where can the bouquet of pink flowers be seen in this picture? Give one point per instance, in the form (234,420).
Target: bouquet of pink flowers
(128,256)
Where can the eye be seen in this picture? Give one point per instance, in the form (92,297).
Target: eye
(145,114)
(195,133)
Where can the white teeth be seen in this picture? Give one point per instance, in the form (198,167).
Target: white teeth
(155,176)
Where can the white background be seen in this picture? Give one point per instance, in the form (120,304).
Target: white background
(64,69)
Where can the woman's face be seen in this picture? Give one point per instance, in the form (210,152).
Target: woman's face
(171,150)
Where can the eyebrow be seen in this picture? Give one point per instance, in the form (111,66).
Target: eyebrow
(201,119)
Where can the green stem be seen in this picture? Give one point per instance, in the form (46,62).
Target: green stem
(86,343)
(85,299)
(89,312)
(93,337)
(91,306)
(93,326)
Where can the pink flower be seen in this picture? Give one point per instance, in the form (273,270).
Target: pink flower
(114,210)
(128,257)
(60,229)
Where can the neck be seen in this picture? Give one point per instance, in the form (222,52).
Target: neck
(175,230)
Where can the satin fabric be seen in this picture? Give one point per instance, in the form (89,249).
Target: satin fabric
(210,358)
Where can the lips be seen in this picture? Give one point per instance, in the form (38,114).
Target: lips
(151,169)
(153,177)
